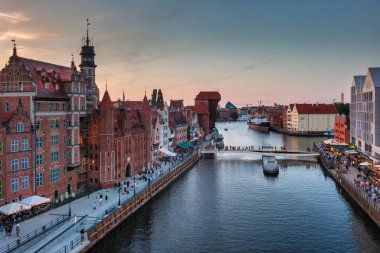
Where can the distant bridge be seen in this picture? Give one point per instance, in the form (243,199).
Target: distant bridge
(285,154)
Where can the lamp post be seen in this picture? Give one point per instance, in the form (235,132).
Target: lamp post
(69,208)
(119,197)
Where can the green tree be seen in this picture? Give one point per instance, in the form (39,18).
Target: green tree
(342,108)
(154,97)
(160,98)
(234,115)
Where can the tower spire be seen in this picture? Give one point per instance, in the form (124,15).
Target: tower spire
(87,39)
(72,62)
(14,46)
(123,95)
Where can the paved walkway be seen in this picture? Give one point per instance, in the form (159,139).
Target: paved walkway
(80,207)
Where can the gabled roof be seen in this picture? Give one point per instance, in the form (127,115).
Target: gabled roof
(145,104)
(178,104)
(208,95)
(315,108)
(375,75)
(176,119)
(106,101)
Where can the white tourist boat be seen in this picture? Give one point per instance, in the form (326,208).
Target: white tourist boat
(270,165)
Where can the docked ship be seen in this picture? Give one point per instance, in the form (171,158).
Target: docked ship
(270,165)
(259,124)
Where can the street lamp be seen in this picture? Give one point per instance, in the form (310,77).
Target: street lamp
(69,208)
(134,184)
(119,196)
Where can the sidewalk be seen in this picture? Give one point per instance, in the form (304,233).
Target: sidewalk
(80,207)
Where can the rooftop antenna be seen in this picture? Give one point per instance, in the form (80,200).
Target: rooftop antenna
(106,85)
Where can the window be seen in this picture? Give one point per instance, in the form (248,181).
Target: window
(54,140)
(25,144)
(6,107)
(1,146)
(39,142)
(14,184)
(20,127)
(14,164)
(1,167)
(64,140)
(51,107)
(64,123)
(64,171)
(14,146)
(40,179)
(25,182)
(57,124)
(54,156)
(52,123)
(54,175)
(20,88)
(24,163)
(8,87)
(39,160)
(38,124)
(57,107)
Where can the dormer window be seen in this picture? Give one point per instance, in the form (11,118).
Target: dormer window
(20,127)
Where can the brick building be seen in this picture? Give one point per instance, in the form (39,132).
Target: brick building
(206,104)
(57,100)
(342,128)
(119,141)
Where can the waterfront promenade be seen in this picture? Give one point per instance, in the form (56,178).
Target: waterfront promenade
(67,235)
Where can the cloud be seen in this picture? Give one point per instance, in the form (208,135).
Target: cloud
(8,35)
(252,66)
(13,18)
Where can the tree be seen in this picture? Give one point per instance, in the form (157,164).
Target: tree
(160,98)
(342,108)
(234,115)
(154,97)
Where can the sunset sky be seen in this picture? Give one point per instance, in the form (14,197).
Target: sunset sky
(281,51)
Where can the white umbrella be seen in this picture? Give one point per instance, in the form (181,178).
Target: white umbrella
(13,207)
(35,200)
(364,164)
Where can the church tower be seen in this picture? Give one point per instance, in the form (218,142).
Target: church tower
(87,67)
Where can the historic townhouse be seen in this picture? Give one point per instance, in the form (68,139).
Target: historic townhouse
(57,101)
(119,141)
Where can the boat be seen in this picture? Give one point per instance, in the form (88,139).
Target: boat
(245,117)
(259,124)
(225,129)
(270,165)
(220,144)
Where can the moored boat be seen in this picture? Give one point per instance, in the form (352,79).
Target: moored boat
(270,165)
(259,124)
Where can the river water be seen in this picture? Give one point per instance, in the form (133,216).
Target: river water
(229,205)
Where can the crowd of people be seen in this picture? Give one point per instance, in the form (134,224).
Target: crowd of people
(250,148)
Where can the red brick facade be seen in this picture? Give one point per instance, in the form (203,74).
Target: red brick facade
(119,142)
(206,104)
(342,128)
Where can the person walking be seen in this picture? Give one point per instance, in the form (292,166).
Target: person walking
(75,219)
(100,201)
(94,206)
(106,197)
(82,234)
(18,230)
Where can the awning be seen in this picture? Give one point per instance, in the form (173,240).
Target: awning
(14,207)
(184,145)
(364,164)
(35,200)
(167,152)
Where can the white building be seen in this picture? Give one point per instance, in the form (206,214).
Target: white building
(309,118)
(365,112)
(163,110)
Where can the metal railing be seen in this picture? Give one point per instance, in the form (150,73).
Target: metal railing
(30,236)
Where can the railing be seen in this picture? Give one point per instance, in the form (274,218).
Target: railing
(30,236)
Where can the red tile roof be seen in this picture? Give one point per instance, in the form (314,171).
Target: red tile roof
(205,95)
(145,104)
(63,75)
(315,108)
(201,108)
(176,103)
